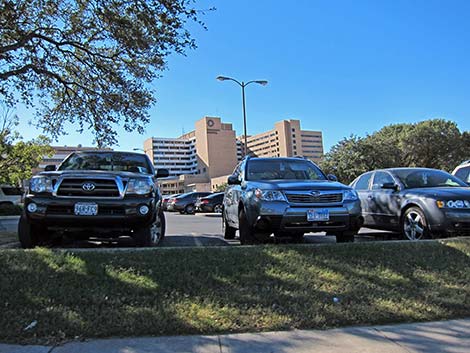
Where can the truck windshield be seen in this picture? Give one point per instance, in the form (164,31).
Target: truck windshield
(107,161)
(283,169)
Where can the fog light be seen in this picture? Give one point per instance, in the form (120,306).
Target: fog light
(143,210)
(32,207)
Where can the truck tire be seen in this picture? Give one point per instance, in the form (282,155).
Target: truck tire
(152,234)
(29,235)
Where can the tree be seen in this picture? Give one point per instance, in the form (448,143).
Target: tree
(221,187)
(435,143)
(89,62)
(18,157)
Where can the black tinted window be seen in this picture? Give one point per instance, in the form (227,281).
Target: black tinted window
(426,178)
(283,169)
(127,162)
(363,182)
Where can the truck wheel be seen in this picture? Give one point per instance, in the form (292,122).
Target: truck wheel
(29,235)
(229,232)
(153,234)
(342,237)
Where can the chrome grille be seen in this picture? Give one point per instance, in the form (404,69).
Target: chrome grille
(321,198)
(73,187)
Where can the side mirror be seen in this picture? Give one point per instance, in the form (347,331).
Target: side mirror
(233,180)
(50,168)
(162,173)
(390,186)
(332,177)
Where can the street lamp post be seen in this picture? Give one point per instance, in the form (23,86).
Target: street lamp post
(243,85)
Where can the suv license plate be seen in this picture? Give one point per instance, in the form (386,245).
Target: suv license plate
(318,215)
(86,209)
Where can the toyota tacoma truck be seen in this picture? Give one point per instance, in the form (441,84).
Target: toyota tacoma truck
(103,194)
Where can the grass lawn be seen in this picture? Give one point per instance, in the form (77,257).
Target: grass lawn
(234,289)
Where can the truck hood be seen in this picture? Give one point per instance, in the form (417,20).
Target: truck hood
(93,173)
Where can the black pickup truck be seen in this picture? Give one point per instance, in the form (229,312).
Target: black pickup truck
(101,194)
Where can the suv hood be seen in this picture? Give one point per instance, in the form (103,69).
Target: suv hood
(300,185)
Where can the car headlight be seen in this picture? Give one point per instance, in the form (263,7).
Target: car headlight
(350,195)
(453,204)
(270,195)
(139,186)
(40,184)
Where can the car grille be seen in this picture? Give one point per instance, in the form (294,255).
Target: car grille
(73,187)
(321,198)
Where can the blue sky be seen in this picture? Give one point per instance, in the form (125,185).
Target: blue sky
(342,67)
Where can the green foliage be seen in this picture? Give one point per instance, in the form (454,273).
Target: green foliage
(221,187)
(433,143)
(214,290)
(89,62)
(18,157)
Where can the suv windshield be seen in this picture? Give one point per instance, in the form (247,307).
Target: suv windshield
(427,178)
(283,169)
(112,161)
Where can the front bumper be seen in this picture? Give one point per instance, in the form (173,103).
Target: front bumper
(112,213)
(451,221)
(280,216)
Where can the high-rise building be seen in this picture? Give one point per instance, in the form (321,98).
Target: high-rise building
(287,139)
(201,159)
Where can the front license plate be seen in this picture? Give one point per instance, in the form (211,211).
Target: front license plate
(318,215)
(86,209)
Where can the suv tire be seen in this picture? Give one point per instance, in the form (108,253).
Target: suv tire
(30,235)
(229,232)
(152,234)
(343,237)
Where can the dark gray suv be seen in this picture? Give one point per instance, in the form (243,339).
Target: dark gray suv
(287,197)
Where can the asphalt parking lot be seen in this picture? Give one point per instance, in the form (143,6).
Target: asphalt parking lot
(182,231)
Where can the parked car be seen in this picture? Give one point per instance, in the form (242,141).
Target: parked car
(287,197)
(10,195)
(185,203)
(462,171)
(418,202)
(95,193)
(166,199)
(211,203)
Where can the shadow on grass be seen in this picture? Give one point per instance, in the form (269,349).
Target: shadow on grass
(215,290)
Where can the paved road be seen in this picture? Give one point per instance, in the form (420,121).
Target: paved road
(187,230)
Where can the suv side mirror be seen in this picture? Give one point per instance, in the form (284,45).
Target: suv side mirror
(233,180)
(332,177)
(49,168)
(390,186)
(162,173)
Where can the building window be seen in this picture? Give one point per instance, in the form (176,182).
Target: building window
(293,129)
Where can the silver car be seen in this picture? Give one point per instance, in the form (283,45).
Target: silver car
(287,197)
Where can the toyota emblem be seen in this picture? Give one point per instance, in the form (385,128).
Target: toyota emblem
(315,193)
(88,186)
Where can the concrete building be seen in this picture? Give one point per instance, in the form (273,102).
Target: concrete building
(202,159)
(287,139)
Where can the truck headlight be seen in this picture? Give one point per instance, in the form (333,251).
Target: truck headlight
(350,195)
(40,184)
(139,186)
(270,195)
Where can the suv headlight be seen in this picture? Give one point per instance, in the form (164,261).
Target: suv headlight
(40,184)
(139,186)
(350,195)
(270,195)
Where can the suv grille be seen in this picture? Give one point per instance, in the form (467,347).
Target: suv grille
(74,187)
(322,198)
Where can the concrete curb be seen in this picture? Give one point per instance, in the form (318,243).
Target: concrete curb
(432,337)
(9,217)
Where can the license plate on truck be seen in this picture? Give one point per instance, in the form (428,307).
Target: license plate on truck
(86,209)
(318,215)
